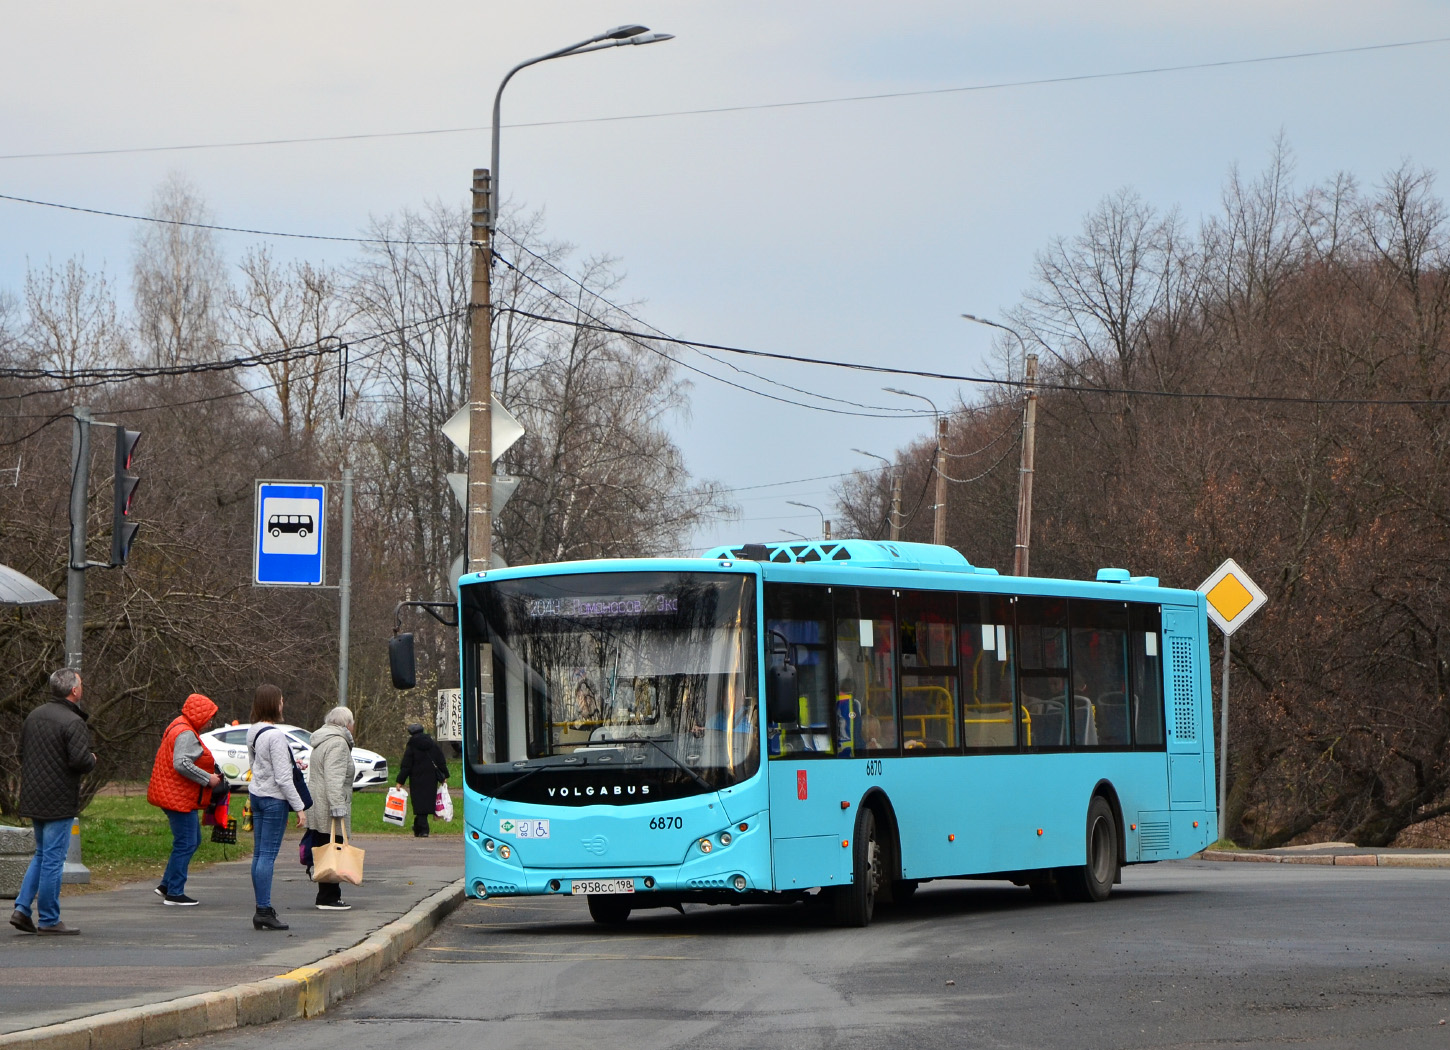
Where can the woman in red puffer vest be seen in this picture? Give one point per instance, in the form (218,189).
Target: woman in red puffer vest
(182,779)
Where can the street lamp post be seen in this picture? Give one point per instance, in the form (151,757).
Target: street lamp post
(893,516)
(825,524)
(485,223)
(939,521)
(1029,449)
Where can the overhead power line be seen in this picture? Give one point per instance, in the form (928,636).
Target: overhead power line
(1199,395)
(747,107)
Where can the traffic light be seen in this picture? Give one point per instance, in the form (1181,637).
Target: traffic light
(123,529)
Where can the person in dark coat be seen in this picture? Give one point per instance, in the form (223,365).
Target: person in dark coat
(55,752)
(424,765)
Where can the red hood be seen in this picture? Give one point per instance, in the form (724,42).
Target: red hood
(198,710)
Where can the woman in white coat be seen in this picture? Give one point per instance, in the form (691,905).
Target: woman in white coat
(329,778)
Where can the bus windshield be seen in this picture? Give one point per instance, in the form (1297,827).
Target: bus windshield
(657,663)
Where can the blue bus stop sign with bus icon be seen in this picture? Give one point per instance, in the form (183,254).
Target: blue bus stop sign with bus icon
(289,535)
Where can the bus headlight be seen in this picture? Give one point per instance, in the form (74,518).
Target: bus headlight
(488,845)
(706,845)
(739,882)
(725,838)
(504,852)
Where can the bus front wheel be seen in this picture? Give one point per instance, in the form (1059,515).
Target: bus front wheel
(855,904)
(608,909)
(1094,880)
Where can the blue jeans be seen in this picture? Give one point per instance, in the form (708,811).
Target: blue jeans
(185,838)
(269,821)
(41,884)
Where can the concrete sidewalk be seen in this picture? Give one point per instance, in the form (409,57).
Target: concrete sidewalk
(1344,854)
(134,951)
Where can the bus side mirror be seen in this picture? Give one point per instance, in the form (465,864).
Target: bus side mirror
(401,662)
(782,693)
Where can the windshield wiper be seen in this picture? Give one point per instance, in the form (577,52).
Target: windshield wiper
(661,749)
(517,780)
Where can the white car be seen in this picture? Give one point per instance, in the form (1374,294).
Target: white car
(228,746)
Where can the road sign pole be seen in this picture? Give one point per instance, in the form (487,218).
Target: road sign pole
(344,588)
(1223,741)
(75,586)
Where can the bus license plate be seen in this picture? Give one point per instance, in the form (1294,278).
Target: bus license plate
(602,886)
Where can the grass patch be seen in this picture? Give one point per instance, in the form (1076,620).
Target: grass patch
(1227,844)
(125,838)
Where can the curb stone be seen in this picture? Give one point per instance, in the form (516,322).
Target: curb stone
(1354,860)
(304,992)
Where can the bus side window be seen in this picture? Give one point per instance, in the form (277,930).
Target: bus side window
(866,669)
(989,670)
(797,619)
(928,669)
(1100,674)
(1146,662)
(1042,671)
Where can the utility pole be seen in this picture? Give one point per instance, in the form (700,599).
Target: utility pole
(1024,474)
(895,505)
(825,530)
(479,518)
(344,588)
(75,586)
(939,527)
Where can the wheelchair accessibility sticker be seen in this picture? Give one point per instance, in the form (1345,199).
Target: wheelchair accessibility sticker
(524,829)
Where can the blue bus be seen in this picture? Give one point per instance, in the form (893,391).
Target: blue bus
(837,721)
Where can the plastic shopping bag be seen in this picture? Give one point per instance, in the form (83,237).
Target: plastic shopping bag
(396,806)
(443,804)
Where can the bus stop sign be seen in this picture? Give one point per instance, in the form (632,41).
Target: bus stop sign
(289,533)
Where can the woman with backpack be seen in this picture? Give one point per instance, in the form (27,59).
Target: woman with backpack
(274,794)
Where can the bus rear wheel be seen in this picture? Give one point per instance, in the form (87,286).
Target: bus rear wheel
(854,905)
(608,909)
(1094,880)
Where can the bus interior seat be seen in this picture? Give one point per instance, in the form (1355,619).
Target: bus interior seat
(1085,726)
(1112,715)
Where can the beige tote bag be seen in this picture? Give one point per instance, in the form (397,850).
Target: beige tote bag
(337,861)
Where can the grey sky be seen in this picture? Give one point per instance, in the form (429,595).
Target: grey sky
(857,231)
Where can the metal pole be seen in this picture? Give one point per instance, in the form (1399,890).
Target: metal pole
(75,588)
(1223,743)
(344,588)
(939,526)
(826,530)
(480,375)
(895,506)
(1024,475)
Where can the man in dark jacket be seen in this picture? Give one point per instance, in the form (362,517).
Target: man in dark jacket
(55,752)
(423,763)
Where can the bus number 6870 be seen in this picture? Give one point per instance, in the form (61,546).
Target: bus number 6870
(666,823)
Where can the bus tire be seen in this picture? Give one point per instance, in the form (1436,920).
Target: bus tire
(854,905)
(608,909)
(1094,880)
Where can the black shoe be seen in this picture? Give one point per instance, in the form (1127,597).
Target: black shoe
(266,919)
(58,928)
(181,900)
(161,889)
(22,922)
(337,905)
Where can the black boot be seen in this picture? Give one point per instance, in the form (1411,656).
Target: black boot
(266,919)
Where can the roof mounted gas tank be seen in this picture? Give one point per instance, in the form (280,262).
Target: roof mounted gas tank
(859,553)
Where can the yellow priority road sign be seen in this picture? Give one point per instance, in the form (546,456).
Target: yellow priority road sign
(1232,596)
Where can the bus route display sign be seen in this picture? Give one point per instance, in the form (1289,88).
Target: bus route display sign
(288,543)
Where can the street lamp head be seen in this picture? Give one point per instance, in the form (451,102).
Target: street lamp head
(652,38)
(621,32)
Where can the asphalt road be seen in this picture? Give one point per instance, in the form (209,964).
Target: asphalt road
(1189,954)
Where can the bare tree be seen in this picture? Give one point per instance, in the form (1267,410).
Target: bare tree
(178,280)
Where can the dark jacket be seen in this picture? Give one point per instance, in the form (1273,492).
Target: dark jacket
(55,752)
(423,767)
